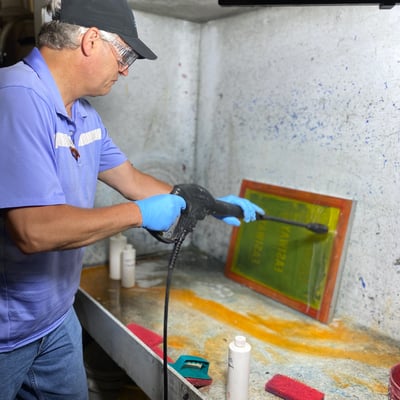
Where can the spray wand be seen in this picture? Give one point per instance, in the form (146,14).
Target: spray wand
(223,209)
(200,203)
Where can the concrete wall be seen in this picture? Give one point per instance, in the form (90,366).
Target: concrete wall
(308,98)
(151,115)
(302,97)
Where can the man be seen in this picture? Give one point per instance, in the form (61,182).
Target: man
(53,148)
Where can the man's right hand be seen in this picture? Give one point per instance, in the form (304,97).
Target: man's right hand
(161,211)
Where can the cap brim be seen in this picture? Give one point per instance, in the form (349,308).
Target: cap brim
(139,47)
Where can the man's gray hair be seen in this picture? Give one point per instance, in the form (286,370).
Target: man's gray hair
(60,35)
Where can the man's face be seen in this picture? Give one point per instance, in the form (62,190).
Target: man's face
(105,67)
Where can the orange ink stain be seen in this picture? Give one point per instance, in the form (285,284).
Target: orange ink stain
(311,338)
(344,381)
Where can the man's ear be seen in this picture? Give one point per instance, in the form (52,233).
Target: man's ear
(89,40)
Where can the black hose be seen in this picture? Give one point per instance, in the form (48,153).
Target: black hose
(171,265)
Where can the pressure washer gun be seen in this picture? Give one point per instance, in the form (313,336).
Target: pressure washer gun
(200,203)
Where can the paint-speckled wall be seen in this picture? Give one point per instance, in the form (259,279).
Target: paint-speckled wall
(302,97)
(151,115)
(309,98)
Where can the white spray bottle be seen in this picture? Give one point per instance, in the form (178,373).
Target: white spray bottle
(237,387)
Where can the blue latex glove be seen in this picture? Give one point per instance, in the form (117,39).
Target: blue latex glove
(161,211)
(249,209)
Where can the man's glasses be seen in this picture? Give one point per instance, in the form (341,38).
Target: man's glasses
(125,55)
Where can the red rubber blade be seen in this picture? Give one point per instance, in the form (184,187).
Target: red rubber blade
(290,389)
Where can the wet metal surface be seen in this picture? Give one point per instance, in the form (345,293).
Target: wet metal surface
(207,310)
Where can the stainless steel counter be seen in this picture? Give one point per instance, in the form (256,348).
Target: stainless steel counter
(206,311)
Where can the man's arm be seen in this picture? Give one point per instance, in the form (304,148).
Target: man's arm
(61,227)
(132,183)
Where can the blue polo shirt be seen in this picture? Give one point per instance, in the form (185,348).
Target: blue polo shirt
(46,158)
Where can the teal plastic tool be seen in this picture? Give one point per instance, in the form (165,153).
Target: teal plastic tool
(194,369)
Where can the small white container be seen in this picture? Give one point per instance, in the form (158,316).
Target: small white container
(237,387)
(128,266)
(117,244)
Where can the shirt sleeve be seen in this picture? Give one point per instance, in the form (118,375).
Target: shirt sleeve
(27,160)
(111,155)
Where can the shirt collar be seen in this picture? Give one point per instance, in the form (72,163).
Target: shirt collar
(36,61)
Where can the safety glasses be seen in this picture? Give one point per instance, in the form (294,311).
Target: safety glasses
(125,55)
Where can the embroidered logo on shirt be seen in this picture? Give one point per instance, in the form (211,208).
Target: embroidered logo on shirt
(89,137)
(64,140)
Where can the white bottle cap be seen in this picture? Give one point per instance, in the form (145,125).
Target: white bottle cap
(240,341)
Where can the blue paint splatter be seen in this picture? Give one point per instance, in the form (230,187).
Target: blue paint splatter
(363,284)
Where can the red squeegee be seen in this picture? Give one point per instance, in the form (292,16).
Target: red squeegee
(290,389)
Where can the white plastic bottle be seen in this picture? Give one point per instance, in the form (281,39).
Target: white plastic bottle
(117,244)
(237,387)
(128,266)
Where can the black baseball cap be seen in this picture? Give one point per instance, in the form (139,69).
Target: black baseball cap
(114,16)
